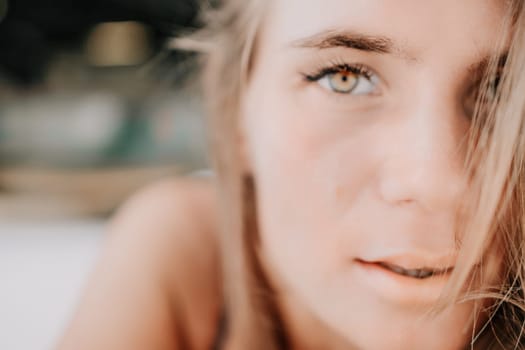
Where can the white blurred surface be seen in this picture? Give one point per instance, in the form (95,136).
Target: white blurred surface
(43,268)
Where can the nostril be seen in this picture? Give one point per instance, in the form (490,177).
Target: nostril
(430,191)
(396,192)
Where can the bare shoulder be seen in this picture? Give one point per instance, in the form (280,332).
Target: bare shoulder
(157,284)
(175,217)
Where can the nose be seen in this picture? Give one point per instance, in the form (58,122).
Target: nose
(423,162)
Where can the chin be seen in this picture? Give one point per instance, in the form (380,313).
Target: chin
(367,322)
(389,333)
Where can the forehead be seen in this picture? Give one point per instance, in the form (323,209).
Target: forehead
(452,25)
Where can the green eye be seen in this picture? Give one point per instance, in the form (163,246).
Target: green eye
(343,82)
(346,79)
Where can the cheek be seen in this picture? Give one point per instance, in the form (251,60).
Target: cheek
(308,172)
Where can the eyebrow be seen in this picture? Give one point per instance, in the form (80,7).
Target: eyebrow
(352,40)
(380,44)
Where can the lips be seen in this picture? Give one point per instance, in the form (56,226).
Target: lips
(422,273)
(406,279)
(413,266)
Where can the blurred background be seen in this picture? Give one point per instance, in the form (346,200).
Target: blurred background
(93,106)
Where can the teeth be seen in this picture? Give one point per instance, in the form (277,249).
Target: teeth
(419,273)
(414,273)
(397,269)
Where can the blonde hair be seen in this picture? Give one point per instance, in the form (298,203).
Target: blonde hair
(495,162)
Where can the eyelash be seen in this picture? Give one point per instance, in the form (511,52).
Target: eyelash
(335,68)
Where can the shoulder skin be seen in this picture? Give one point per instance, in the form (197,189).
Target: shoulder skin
(157,283)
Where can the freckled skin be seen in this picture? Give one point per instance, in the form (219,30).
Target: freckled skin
(341,177)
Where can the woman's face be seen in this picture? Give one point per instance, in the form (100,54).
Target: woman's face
(355,123)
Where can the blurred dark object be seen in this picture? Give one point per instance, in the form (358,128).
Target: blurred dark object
(93,103)
(33,30)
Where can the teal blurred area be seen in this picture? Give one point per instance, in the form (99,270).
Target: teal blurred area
(108,116)
(100,127)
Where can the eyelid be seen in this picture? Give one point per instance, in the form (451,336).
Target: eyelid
(334,68)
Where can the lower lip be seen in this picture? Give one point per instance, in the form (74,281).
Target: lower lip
(401,289)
